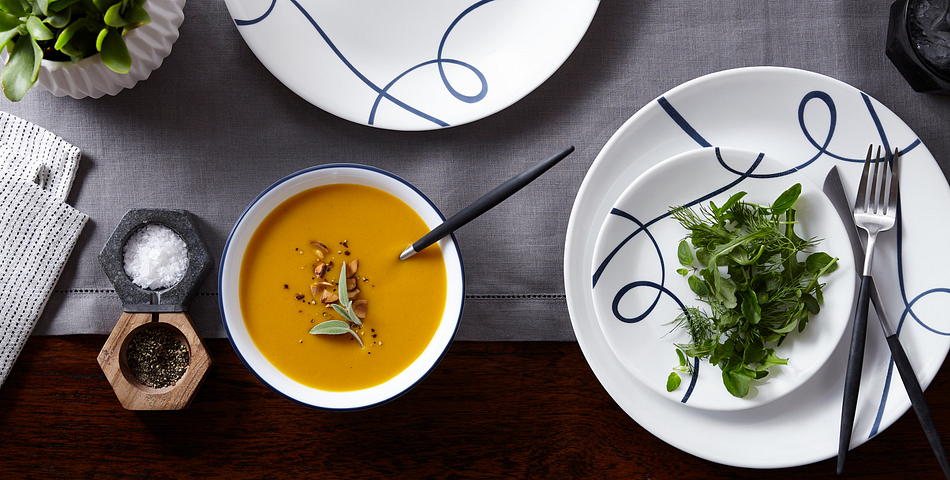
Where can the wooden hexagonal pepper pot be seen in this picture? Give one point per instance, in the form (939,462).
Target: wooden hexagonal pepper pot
(135,394)
(159,316)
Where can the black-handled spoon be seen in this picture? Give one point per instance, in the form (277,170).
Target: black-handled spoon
(485,203)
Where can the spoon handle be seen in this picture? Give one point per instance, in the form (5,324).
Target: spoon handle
(485,203)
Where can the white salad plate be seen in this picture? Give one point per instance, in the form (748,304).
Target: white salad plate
(419,65)
(638,293)
(812,122)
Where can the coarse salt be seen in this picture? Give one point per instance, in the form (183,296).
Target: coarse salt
(155,257)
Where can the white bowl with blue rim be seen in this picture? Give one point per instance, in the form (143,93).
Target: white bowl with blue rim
(229,279)
(638,293)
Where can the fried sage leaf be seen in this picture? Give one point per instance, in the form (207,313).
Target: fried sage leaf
(334,327)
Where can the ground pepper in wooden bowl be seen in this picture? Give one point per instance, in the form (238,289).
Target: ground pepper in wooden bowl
(156,357)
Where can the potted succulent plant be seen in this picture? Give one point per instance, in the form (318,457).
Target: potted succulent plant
(64,31)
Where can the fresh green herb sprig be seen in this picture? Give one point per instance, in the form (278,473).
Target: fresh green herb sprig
(64,30)
(767,292)
(345,308)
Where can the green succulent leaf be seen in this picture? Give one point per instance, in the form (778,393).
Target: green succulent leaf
(8,22)
(6,36)
(67,34)
(115,54)
(59,19)
(21,69)
(13,7)
(113,16)
(60,5)
(38,30)
(101,37)
(103,5)
(137,16)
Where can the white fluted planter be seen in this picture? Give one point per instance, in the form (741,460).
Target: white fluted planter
(148,46)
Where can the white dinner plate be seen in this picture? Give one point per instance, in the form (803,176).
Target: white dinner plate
(812,122)
(638,293)
(412,65)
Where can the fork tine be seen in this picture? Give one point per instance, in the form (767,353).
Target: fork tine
(895,184)
(881,181)
(878,183)
(861,200)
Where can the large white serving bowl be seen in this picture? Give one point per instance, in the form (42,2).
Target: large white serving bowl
(229,278)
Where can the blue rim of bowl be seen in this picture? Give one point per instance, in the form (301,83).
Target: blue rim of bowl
(261,195)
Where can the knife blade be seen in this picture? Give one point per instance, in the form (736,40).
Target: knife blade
(835,192)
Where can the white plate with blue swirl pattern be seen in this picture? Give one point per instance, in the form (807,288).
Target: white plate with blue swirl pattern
(812,122)
(412,65)
(638,293)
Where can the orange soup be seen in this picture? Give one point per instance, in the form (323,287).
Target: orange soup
(405,300)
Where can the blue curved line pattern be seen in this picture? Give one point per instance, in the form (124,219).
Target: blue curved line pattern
(660,291)
(821,150)
(749,174)
(383,93)
(445,81)
(252,21)
(615,307)
(833,114)
(683,124)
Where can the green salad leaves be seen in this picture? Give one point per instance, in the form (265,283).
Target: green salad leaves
(756,286)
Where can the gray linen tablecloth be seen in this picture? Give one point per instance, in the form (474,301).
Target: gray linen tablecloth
(212,127)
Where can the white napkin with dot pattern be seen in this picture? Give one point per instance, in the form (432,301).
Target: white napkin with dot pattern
(38,230)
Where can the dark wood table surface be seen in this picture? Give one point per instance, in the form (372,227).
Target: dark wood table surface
(496,410)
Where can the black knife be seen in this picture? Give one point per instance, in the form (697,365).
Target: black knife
(835,192)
